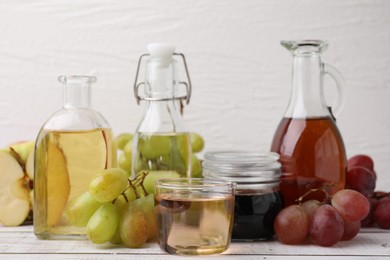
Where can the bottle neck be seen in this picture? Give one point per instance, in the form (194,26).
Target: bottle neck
(307,98)
(162,116)
(160,79)
(77,95)
(161,84)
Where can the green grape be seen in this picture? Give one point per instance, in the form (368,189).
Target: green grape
(119,202)
(116,238)
(146,204)
(183,144)
(133,226)
(125,163)
(120,206)
(108,184)
(130,194)
(155,175)
(141,164)
(196,167)
(81,209)
(127,150)
(197,142)
(176,159)
(103,223)
(127,196)
(153,146)
(122,139)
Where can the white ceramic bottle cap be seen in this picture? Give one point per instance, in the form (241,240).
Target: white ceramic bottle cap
(161,50)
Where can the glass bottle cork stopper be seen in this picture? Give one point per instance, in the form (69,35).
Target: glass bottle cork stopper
(162,52)
(160,68)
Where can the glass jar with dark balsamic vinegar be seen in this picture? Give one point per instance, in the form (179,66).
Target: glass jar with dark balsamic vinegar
(257,196)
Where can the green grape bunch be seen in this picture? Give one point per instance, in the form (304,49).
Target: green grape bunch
(115,209)
(156,153)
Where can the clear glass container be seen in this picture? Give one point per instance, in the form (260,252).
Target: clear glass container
(310,145)
(73,145)
(161,142)
(257,196)
(194,216)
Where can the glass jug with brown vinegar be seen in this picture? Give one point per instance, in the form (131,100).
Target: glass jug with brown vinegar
(311,148)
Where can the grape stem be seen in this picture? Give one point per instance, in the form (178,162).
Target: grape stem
(138,182)
(326,199)
(124,196)
(381,196)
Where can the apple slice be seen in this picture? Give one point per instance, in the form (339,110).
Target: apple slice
(58,184)
(22,150)
(14,191)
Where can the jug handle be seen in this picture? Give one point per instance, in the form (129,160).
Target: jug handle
(338,78)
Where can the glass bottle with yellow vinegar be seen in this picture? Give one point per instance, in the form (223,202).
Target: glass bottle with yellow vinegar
(72,146)
(161,143)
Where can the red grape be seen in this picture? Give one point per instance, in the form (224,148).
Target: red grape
(382,213)
(310,206)
(352,205)
(291,225)
(351,229)
(361,179)
(327,226)
(369,219)
(361,160)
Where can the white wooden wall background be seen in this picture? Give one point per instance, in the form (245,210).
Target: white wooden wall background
(241,74)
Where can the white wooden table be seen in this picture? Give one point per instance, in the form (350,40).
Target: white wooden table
(21,243)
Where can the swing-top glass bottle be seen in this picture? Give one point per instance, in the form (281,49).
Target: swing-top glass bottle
(161,144)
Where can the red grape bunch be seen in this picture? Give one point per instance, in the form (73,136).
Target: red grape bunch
(339,217)
(361,177)
(325,223)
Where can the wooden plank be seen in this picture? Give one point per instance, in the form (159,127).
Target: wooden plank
(19,241)
(365,244)
(165,257)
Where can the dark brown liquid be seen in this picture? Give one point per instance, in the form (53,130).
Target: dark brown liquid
(254,216)
(312,154)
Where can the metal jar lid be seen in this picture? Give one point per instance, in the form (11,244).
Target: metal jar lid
(244,168)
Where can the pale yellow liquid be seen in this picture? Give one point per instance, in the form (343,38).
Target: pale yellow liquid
(65,162)
(191,224)
(163,152)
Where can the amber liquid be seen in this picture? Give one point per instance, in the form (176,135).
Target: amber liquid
(64,164)
(312,155)
(194,224)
